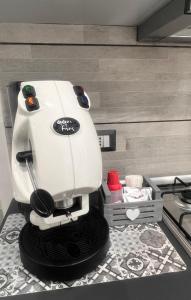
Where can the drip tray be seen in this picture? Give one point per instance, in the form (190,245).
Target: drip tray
(66,252)
(135,251)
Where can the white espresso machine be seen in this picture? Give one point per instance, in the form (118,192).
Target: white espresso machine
(56,165)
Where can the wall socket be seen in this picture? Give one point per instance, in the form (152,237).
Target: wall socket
(107,140)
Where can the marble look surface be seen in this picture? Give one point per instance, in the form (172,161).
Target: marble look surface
(135,251)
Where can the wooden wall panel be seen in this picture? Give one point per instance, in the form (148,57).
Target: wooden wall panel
(126,84)
(19,33)
(150,148)
(143,92)
(66,34)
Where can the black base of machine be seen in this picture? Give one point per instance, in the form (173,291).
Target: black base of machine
(66,252)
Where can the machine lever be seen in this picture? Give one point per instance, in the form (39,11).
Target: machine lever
(41,201)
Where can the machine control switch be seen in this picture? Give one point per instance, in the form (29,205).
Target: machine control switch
(32,103)
(82,99)
(28,91)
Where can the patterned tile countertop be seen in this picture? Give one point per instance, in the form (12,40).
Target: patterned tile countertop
(135,251)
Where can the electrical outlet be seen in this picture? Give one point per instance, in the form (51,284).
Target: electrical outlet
(104,141)
(107,140)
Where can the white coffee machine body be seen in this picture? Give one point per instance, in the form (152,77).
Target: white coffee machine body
(66,157)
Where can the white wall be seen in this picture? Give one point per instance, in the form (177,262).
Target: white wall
(5,173)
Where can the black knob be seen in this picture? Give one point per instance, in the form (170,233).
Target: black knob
(42,203)
(79,91)
(24,155)
(82,99)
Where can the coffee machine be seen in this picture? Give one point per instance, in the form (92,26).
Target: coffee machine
(56,166)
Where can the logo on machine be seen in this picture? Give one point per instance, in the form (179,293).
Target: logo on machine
(66,126)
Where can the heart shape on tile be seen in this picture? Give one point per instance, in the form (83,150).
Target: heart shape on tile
(132,214)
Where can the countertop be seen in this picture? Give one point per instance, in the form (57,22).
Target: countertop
(166,287)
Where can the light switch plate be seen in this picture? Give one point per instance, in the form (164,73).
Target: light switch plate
(107,140)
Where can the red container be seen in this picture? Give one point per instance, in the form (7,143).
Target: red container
(113,181)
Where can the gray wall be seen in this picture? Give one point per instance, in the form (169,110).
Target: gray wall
(142,91)
(104,12)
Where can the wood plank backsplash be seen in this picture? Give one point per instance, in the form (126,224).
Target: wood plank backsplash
(142,91)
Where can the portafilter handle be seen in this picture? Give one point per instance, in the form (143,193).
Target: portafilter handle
(40,200)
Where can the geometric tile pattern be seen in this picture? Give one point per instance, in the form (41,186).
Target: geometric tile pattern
(135,251)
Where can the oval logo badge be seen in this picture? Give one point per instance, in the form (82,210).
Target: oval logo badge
(66,126)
